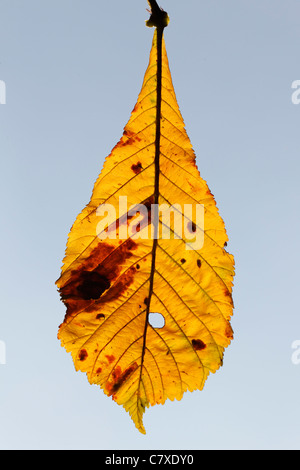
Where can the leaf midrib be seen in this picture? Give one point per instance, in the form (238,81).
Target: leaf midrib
(155,219)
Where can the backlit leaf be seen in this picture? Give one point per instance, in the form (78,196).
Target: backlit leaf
(121,266)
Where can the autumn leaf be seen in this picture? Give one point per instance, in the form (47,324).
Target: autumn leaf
(150,241)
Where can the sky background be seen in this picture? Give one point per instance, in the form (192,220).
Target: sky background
(73,70)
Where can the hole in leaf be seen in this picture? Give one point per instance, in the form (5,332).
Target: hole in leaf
(156,320)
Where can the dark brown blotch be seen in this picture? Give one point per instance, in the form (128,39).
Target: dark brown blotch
(100,316)
(121,377)
(92,285)
(191,226)
(98,278)
(198,345)
(83,354)
(128,138)
(137,168)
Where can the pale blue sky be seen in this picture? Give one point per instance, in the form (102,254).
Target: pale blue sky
(73,70)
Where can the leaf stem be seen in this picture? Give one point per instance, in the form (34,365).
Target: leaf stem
(159,18)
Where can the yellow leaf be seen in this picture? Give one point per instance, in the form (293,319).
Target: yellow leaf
(129,255)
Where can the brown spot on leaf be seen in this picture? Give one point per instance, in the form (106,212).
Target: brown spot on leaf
(198,345)
(128,138)
(183,260)
(99,370)
(83,354)
(137,168)
(128,133)
(137,266)
(119,377)
(110,358)
(92,285)
(146,219)
(100,316)
(228,294)
(199,263)
(191,226)
(146,300)
(98,278)
(121,285)
(229,331)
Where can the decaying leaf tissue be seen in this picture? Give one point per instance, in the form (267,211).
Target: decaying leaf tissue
(150,240)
